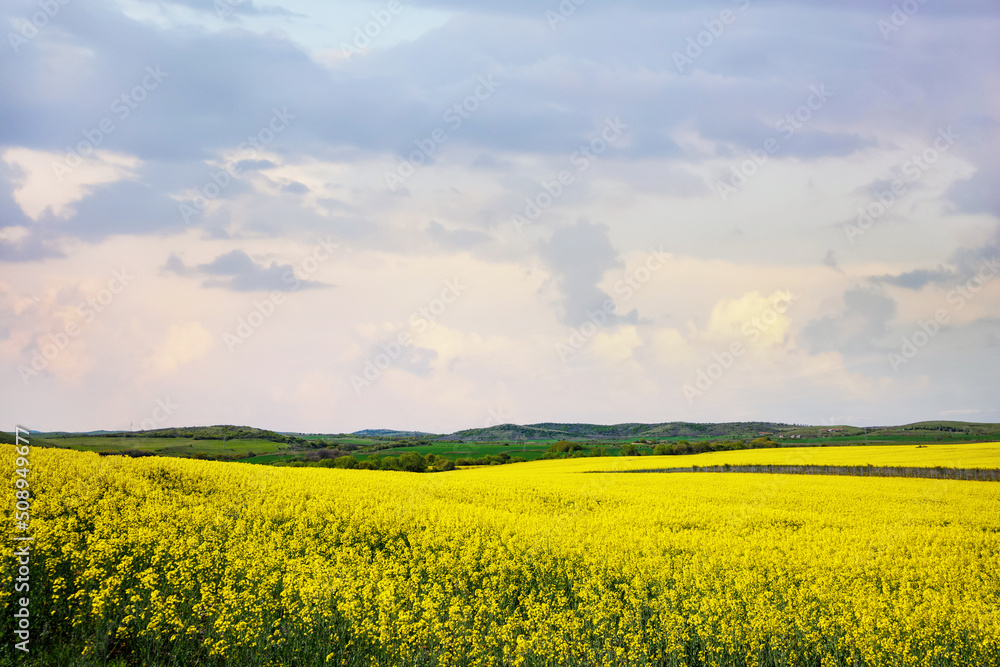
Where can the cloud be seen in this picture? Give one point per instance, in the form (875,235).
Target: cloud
(860,327)
(295,188)
(230,9)
(757,320)
(579,256)
(830,259)
(617,346)
(966,264)
(182,344)
(670,347)
(916,280)
(253,165)
(236,271)
(40,188)
(23,244)
(455,239)
(354,119)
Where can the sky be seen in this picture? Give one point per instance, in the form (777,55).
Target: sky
(435,215)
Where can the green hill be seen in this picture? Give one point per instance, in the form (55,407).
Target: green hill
(551,430)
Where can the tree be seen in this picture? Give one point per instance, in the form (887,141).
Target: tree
(564,446)
(629,449)
(345,462)
(412,462)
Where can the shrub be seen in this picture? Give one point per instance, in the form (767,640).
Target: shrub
(345,462)
(413,462)
(564,446)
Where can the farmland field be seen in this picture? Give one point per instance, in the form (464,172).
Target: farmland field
(165,446)
(175,562)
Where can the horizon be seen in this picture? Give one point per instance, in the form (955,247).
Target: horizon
(439,215)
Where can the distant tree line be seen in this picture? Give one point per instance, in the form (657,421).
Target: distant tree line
(936,472)
(684,447)
(407,462)
(221,433)
(568,449)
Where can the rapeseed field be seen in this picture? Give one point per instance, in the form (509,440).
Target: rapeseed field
(159,561)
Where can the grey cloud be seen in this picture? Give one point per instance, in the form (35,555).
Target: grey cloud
(830,260)
(979,193)
(124,207)
(556,87)
(33,248)
(531,7)
(230,9)
(253,165)
(579,256)
(916,280)
(295,188)
(964,265)
(859,328)
(459,239)
(175,264)
(236,271)
(11,214)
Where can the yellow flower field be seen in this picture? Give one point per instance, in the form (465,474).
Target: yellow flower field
(166,561)
(972,455)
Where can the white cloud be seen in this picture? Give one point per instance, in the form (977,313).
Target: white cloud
(42,186)
(182,344)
